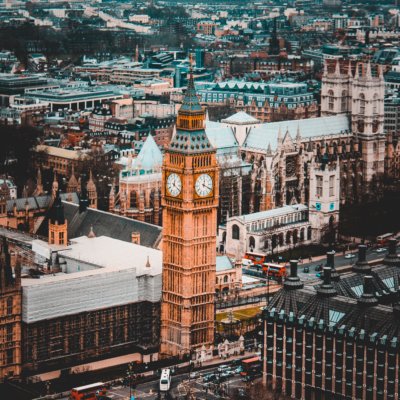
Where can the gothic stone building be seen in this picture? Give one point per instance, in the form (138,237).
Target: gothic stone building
(338,339)
(139,191)
(350,130)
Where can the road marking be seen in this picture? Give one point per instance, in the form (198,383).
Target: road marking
(116,394)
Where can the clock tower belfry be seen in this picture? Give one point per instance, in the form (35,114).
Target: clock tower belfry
(190,201)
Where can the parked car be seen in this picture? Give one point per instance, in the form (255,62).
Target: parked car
(318,268)
(238,370)
(349,256)
(223,368)
(194,375)
(306,270)
(209,378)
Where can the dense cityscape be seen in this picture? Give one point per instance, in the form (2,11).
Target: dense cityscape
(200,199)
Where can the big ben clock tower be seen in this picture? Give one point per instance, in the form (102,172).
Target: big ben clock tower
(190,201)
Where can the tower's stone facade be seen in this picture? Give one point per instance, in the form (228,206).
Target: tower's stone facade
(190,201)
(58,231)
(10,316)
(324,198)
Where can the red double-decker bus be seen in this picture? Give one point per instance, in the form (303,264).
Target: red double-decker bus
(257,258)
(251,366)
(275,270)
(88,392)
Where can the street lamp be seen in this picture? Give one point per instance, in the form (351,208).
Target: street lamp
(264,375)
(129,373)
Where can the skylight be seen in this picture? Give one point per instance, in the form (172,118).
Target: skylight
(358,290)
(335,316)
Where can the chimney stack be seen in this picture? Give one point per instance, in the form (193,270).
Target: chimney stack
(293,281)
(392,259)
(135,237)
(368,297)
(330,262)
(362,265)
(326,289)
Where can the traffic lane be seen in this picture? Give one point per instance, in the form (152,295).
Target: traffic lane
(341,260)
(208,390)
(149,390)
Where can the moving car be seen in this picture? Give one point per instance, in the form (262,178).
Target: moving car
(380,250)
(306,270)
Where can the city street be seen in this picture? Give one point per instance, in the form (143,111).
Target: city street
(340,261)
(180,386)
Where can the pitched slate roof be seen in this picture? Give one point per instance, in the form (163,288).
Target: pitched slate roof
(38,202)
(107,224)
(220,136)
(241,117)
(348,307)
(264,134)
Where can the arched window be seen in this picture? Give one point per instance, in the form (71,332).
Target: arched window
(362,104)
(274,241)
(295,236)
(301,234)
(216,280)
(309,233)
(9,306)
(226,279)
(288,237)
(344,101)
(235,232)
(252,242)
(375,105)
(133,200)
(331,100)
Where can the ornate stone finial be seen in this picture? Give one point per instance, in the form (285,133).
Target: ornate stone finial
(112,190)
(279,135)
(79,188)
(148,265)
(269,150)
(91,234)
(349,71)
(54,188)
(368,74)
(298,135)
(325,67)
(380,72)
(337,68)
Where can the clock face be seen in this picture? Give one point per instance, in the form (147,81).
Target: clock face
(174,184)
(318,206)
(204,185)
